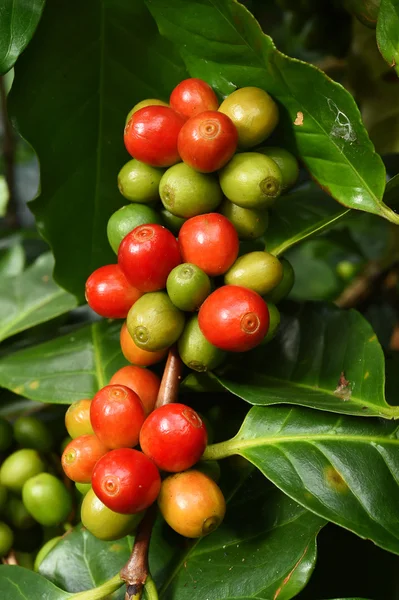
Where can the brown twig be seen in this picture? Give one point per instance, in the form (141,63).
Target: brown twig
(168,392)
(135,571)
(10,559)
(9,159)
(360,288)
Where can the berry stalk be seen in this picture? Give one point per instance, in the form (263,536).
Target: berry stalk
(169,389)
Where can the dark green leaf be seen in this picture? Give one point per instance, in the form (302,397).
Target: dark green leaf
(17,583)
(388,32)
(222,43)
(67,368)
(79,97)
(12,262)
(344,469)
(324,358)
(31,298)
(19,19)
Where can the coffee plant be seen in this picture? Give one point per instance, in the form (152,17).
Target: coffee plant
(199,325)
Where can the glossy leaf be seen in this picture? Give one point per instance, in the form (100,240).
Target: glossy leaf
(324,358)
(19,19)
(388,32)
(31,298)
(67,368)
(78,102)
(344,469)
(12,261)
(17,583)
(222,43)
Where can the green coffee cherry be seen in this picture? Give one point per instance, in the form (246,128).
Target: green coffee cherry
(172,222)
(6,539)
(29,432)
(285,286)
(287,163)
(19,467)
(188,286)
(143,104)
(139,182)
(251,180)
(5,434)
(44,550)
(346,269)
(47,499)
(127,218)
(83,488)
(25,560)
(104,523)
(195,350)
(3,498)
(187,193)
(258,271)
(274,323)
(16,513)
(248,222)
(154,322)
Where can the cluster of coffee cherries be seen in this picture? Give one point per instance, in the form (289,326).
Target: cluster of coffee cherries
(192,177)
(120,481)
(34,501)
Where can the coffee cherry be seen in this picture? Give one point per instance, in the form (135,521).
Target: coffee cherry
(254,114)
(188,286)
(105,524)
(109,293)
(6,539)
(187,193)
(195,350)
(17,515)
(174,437)
(207,141)
(286,284)
(6,434)
(151,136)
(172,222)
(274,323)
(83,488)
(193,96)
(248,222)
(117,414)
(143,382)
(126,481)
(147,255)
(80,456)
(44,551)
(251,180)
(29,432)
(134,354)
(286,162)
(19,467)
(77,418)
(155,323)
(234,318)
(257,271)
(144,104)
(191,503)
(47,499)
(210,242)
(127,218)
(139,182)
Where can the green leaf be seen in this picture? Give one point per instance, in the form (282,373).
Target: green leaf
(31,298)
(221,42)
(12,261)
(324,358)
(67,368)
(19,19)
(79,97)
(299,215)
(269,554)
(344,469)
(388,32)
(17,583)
(392,191)
(81,562)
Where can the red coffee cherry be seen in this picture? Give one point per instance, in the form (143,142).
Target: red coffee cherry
(193,96)
(126,481)
(142,381)
(80,456)
(174,437)
(151,135)
(109,293)
(208,141)
(117,414)
(210,242)
(234,318)
(147,255)
(136,355)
